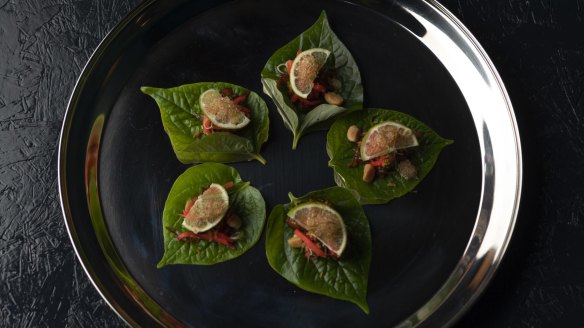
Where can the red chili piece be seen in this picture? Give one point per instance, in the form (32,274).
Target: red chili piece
(187,234)
(222,238)
(319,88)
(310,103)
(244,110)
(240,99)
(309,243)
(188,206)
(207,125)
(228,185)
(379,161)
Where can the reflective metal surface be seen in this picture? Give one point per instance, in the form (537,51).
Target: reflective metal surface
(495,122)
(98,110)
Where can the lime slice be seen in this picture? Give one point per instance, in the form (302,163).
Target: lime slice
(222,111)
(385,138)
(305,68)
(208,210)
(323,222)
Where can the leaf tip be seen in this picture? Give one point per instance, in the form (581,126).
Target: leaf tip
(364,307)
(291,196)
(147,90)
(161,264)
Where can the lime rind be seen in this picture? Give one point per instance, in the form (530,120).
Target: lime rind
(410,142)
(320,56)
(208,210)
(292,214)
(214,105)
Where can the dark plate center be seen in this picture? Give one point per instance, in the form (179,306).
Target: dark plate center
(417,240)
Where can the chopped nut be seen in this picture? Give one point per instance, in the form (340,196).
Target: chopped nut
(368,173)
(335,83)
(236,235)
(333,98)
(353,133)
(227,92)
(295,242)
(234,221)
(407,170)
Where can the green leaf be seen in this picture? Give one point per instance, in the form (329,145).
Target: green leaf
(246,201)
(344,279)
(320,35)
(340,151)
(182,119)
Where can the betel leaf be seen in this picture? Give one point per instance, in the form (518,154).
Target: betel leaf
(382,189)
(344,279)
(319,35)
(182,120)
(246,201)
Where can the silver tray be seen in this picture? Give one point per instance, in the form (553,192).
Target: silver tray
(432,257)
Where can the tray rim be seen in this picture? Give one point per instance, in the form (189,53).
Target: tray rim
(461,282)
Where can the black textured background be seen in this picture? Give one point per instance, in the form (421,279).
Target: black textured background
(537,46)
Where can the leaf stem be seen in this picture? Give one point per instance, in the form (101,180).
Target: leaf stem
(260,158)
(295,140)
